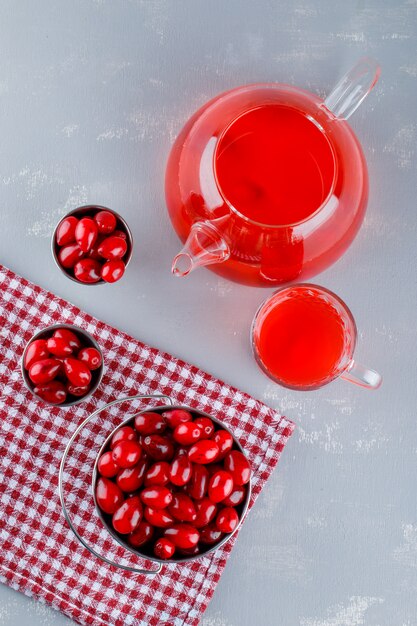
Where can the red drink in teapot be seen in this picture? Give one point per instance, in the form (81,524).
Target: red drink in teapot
(267,183)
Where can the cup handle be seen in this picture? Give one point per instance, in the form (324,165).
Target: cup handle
(353,88)
(362,376)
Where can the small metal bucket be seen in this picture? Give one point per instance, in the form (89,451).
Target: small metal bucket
(82,211)
(242,508)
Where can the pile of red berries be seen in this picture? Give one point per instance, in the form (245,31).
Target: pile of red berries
(60,367)
(91,248)
(170,483)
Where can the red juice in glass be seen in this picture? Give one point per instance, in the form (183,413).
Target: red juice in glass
(304,336)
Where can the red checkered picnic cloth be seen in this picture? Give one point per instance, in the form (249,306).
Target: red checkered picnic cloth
(40,556)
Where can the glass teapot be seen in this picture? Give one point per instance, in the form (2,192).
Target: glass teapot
(267,183)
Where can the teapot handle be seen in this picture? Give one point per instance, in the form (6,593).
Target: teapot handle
(353,88)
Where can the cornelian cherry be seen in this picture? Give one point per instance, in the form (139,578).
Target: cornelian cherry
(198,485)
(106,222)
(44,371)
(112,248)
(131,478)
(91,357)
(77,372)
(157,497)
(69,255)
(53,392)
(125,432)
(187,433)
(113,270)
(182,508)
(158,474)
(86,233)
(181,470)
(160,518)
(58,346)
(126,453)
(183,536)
(150,423)
(220,486)
(69,336)
(176,416)
(106,465)
(142,534)
(108,495)
(227,520)
(204,451)
(36,351)
(65,232)
(206,426)
(238,466)
(127,517)
(87,270)
(164,548)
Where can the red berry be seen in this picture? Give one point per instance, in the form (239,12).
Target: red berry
(108,495)
(206,426)
(94,254)
(187,433)
(106,466)
(198,485)
(69,336)
(163,548)
(220,486)
(120,233)
(131,478)
(44,371)
(227,520)
(142,534)
(150,423)
(53,392)
(69,255)
(158,447)
(86,233)
(113,270)
(206,512)
(106,222)
(126,453)
(183,536)
(125,432)
(176,416)
(181,470)
(225,442)
(91,357)
(158,474)
(203,452)
(59,347)
(182,508)
(36,351)
(128,516)
(77,391)
(65,233)
(236,497)
(157,497)
(112,248)
(77,373)
(238,465)
(87,271)
(209,534)
(158,517)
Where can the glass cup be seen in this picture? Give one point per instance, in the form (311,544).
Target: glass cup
(304,336)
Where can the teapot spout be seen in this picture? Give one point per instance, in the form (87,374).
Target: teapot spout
(205,245)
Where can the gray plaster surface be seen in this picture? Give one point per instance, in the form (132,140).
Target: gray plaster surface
(92,94)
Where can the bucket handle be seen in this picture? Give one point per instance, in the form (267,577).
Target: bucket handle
(353,88)
(127,568)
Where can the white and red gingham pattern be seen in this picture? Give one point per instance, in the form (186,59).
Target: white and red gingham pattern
(40,556)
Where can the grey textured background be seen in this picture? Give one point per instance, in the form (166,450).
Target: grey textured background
(92,94)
